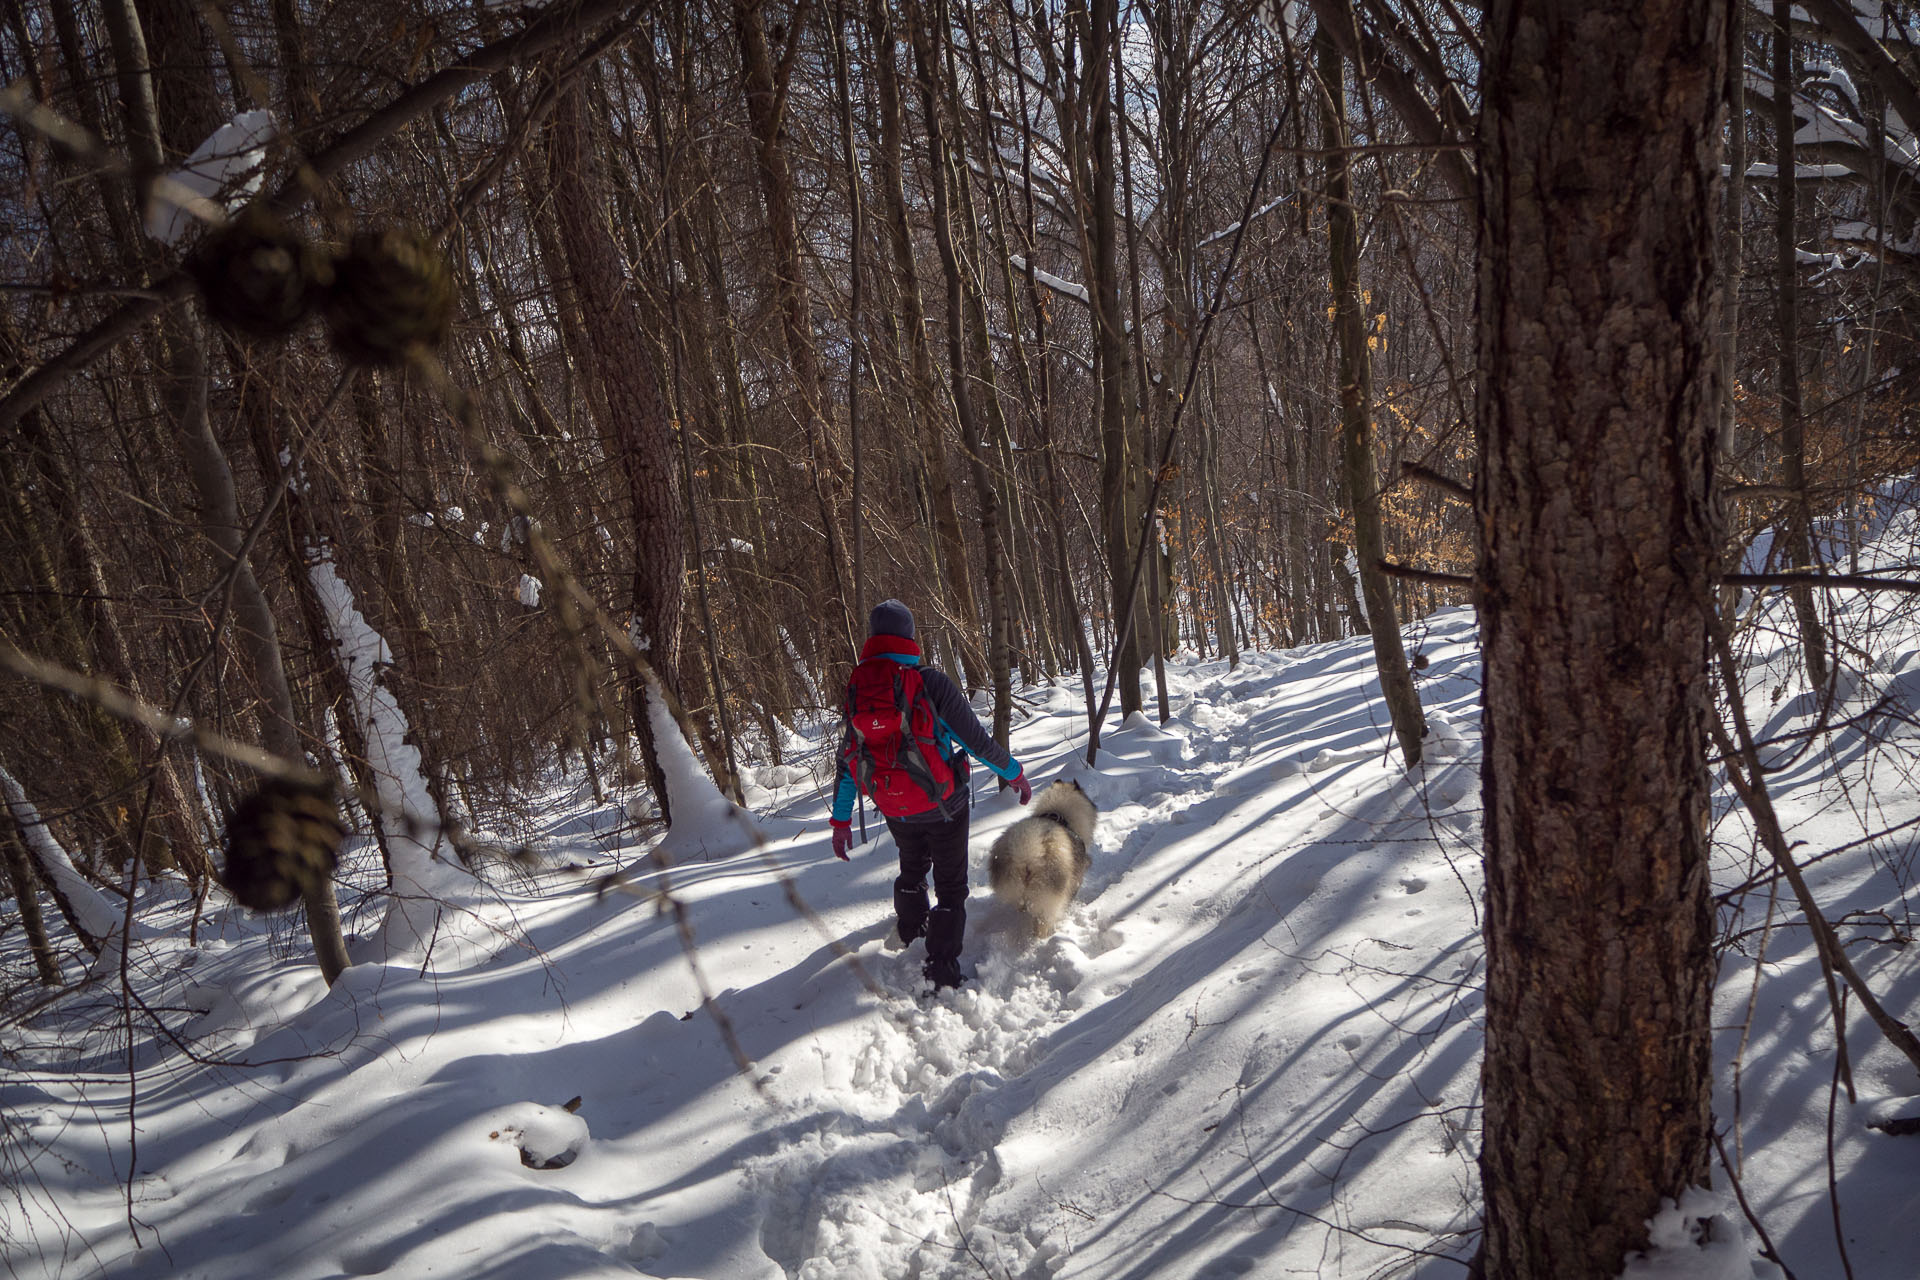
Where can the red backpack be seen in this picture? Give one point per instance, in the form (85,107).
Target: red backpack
(892,750)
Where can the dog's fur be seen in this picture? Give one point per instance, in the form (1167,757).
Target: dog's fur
(1039,863)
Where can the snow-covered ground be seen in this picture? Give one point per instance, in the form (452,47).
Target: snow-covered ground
(1252,1048)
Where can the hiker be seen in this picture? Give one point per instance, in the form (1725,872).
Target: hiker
(917,780)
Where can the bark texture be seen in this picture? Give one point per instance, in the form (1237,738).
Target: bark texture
(1597,407)
(635,430)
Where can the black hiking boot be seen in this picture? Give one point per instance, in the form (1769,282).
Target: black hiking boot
(909,912)
(946,926)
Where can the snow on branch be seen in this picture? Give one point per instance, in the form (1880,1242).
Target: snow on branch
(1801,172)
(1259,213)
(225,169)
(422,878)
(1053,282)
(95,916)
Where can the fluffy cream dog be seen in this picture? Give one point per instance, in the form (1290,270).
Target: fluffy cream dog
(1038,863)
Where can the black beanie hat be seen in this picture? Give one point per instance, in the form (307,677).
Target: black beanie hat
(890,618)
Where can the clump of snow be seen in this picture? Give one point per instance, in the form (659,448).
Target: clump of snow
(1275,14)
(528,592)
(705,823)
(1053,282)
(547,1137)
(227,167)
(1699,1238)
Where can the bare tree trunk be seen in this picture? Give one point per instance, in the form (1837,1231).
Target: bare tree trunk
(1172,27)
(1733,229)
(635,432)
(856,338)
(996,444)
(1600,140)
(1796,526)
(766,90)
(1356,415)
(1120,463)
(1150,622)
(192,112)
(1038,638)
(1222,585)
(714,353)
(923,402)
(943,165)
(48,609)
(26,898)
(1070,627)
(254,625)
(113,193)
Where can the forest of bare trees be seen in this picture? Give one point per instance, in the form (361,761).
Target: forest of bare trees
(609,353)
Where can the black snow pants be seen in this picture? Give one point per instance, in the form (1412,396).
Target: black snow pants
(939,847)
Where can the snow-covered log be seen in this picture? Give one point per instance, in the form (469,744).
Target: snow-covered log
(423,879)
(95,917)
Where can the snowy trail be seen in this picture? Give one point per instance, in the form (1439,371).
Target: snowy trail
(929,1151)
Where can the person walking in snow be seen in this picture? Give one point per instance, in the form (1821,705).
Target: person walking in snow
(906,735)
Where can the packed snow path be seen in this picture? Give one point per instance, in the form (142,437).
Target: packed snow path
(997,1130)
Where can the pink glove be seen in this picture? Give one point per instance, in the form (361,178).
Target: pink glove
(1021,787)
(842,838)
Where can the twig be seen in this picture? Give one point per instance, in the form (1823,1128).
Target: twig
(1392,570)
(1744,771)
(1833,1177)
(1768,1249)
(1857,581)
(1444,483)
(167,728)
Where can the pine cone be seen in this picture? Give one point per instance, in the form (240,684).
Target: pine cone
(282,840)
(392,295)
(259,277)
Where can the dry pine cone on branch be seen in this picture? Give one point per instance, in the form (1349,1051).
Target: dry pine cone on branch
(282,841)
(259,277)
(392,295)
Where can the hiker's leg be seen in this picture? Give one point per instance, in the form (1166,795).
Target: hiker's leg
(910,887)
(947,854)
(947,923)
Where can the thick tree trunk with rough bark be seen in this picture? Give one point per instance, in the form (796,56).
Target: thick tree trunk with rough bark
(635,432)
(1597,408)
